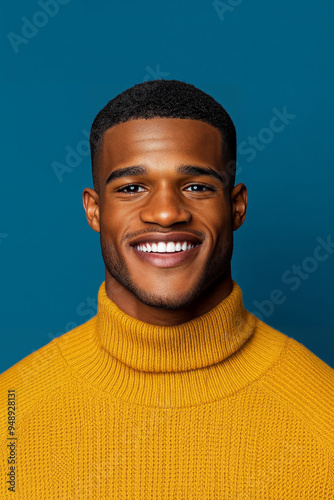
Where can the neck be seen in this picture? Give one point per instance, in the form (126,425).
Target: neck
(127,302)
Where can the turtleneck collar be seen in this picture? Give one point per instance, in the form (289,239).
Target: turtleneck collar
(197,362)
(201,342)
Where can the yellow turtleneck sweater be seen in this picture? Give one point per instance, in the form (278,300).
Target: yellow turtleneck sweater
(220,407)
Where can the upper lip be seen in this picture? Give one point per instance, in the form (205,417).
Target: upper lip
(172,236)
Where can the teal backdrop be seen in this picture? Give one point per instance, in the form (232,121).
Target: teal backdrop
(270,64)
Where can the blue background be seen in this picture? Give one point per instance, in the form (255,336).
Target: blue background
(253,57)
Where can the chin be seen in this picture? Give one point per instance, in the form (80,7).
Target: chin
(170,301)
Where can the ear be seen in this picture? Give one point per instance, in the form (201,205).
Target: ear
(90,200)
(239,200)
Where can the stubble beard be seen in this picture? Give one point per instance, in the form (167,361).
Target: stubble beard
(214,269)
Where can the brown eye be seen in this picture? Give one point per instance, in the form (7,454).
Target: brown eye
(199,188)
(130,189)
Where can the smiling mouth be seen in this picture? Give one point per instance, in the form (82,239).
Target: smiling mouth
(166,254)
(161,247)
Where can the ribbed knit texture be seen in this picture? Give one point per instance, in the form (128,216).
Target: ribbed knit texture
(220,407)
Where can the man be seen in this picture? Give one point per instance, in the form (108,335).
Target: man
(173,390)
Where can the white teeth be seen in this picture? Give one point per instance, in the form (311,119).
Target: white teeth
(162,247)
(170,247)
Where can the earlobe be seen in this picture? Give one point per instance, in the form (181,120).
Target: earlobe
(90,200)
(239,200)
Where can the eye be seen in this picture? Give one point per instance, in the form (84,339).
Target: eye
(130,189)
(200,188)
(136,188)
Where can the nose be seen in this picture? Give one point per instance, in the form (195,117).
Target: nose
(165,207)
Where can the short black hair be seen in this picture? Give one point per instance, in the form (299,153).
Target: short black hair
(165,99)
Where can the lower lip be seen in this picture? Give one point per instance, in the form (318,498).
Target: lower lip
(167,259)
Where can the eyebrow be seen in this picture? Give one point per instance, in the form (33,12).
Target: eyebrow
(182,169)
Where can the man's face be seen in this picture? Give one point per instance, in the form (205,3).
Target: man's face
(164,202)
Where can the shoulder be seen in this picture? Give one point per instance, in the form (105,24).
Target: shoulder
(32,367)
(304,383)
(42,373)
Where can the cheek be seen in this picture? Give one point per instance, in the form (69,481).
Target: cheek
(217,221)
(115,225)
(108,217)
(108,229)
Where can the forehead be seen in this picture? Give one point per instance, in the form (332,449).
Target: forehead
(161,137)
